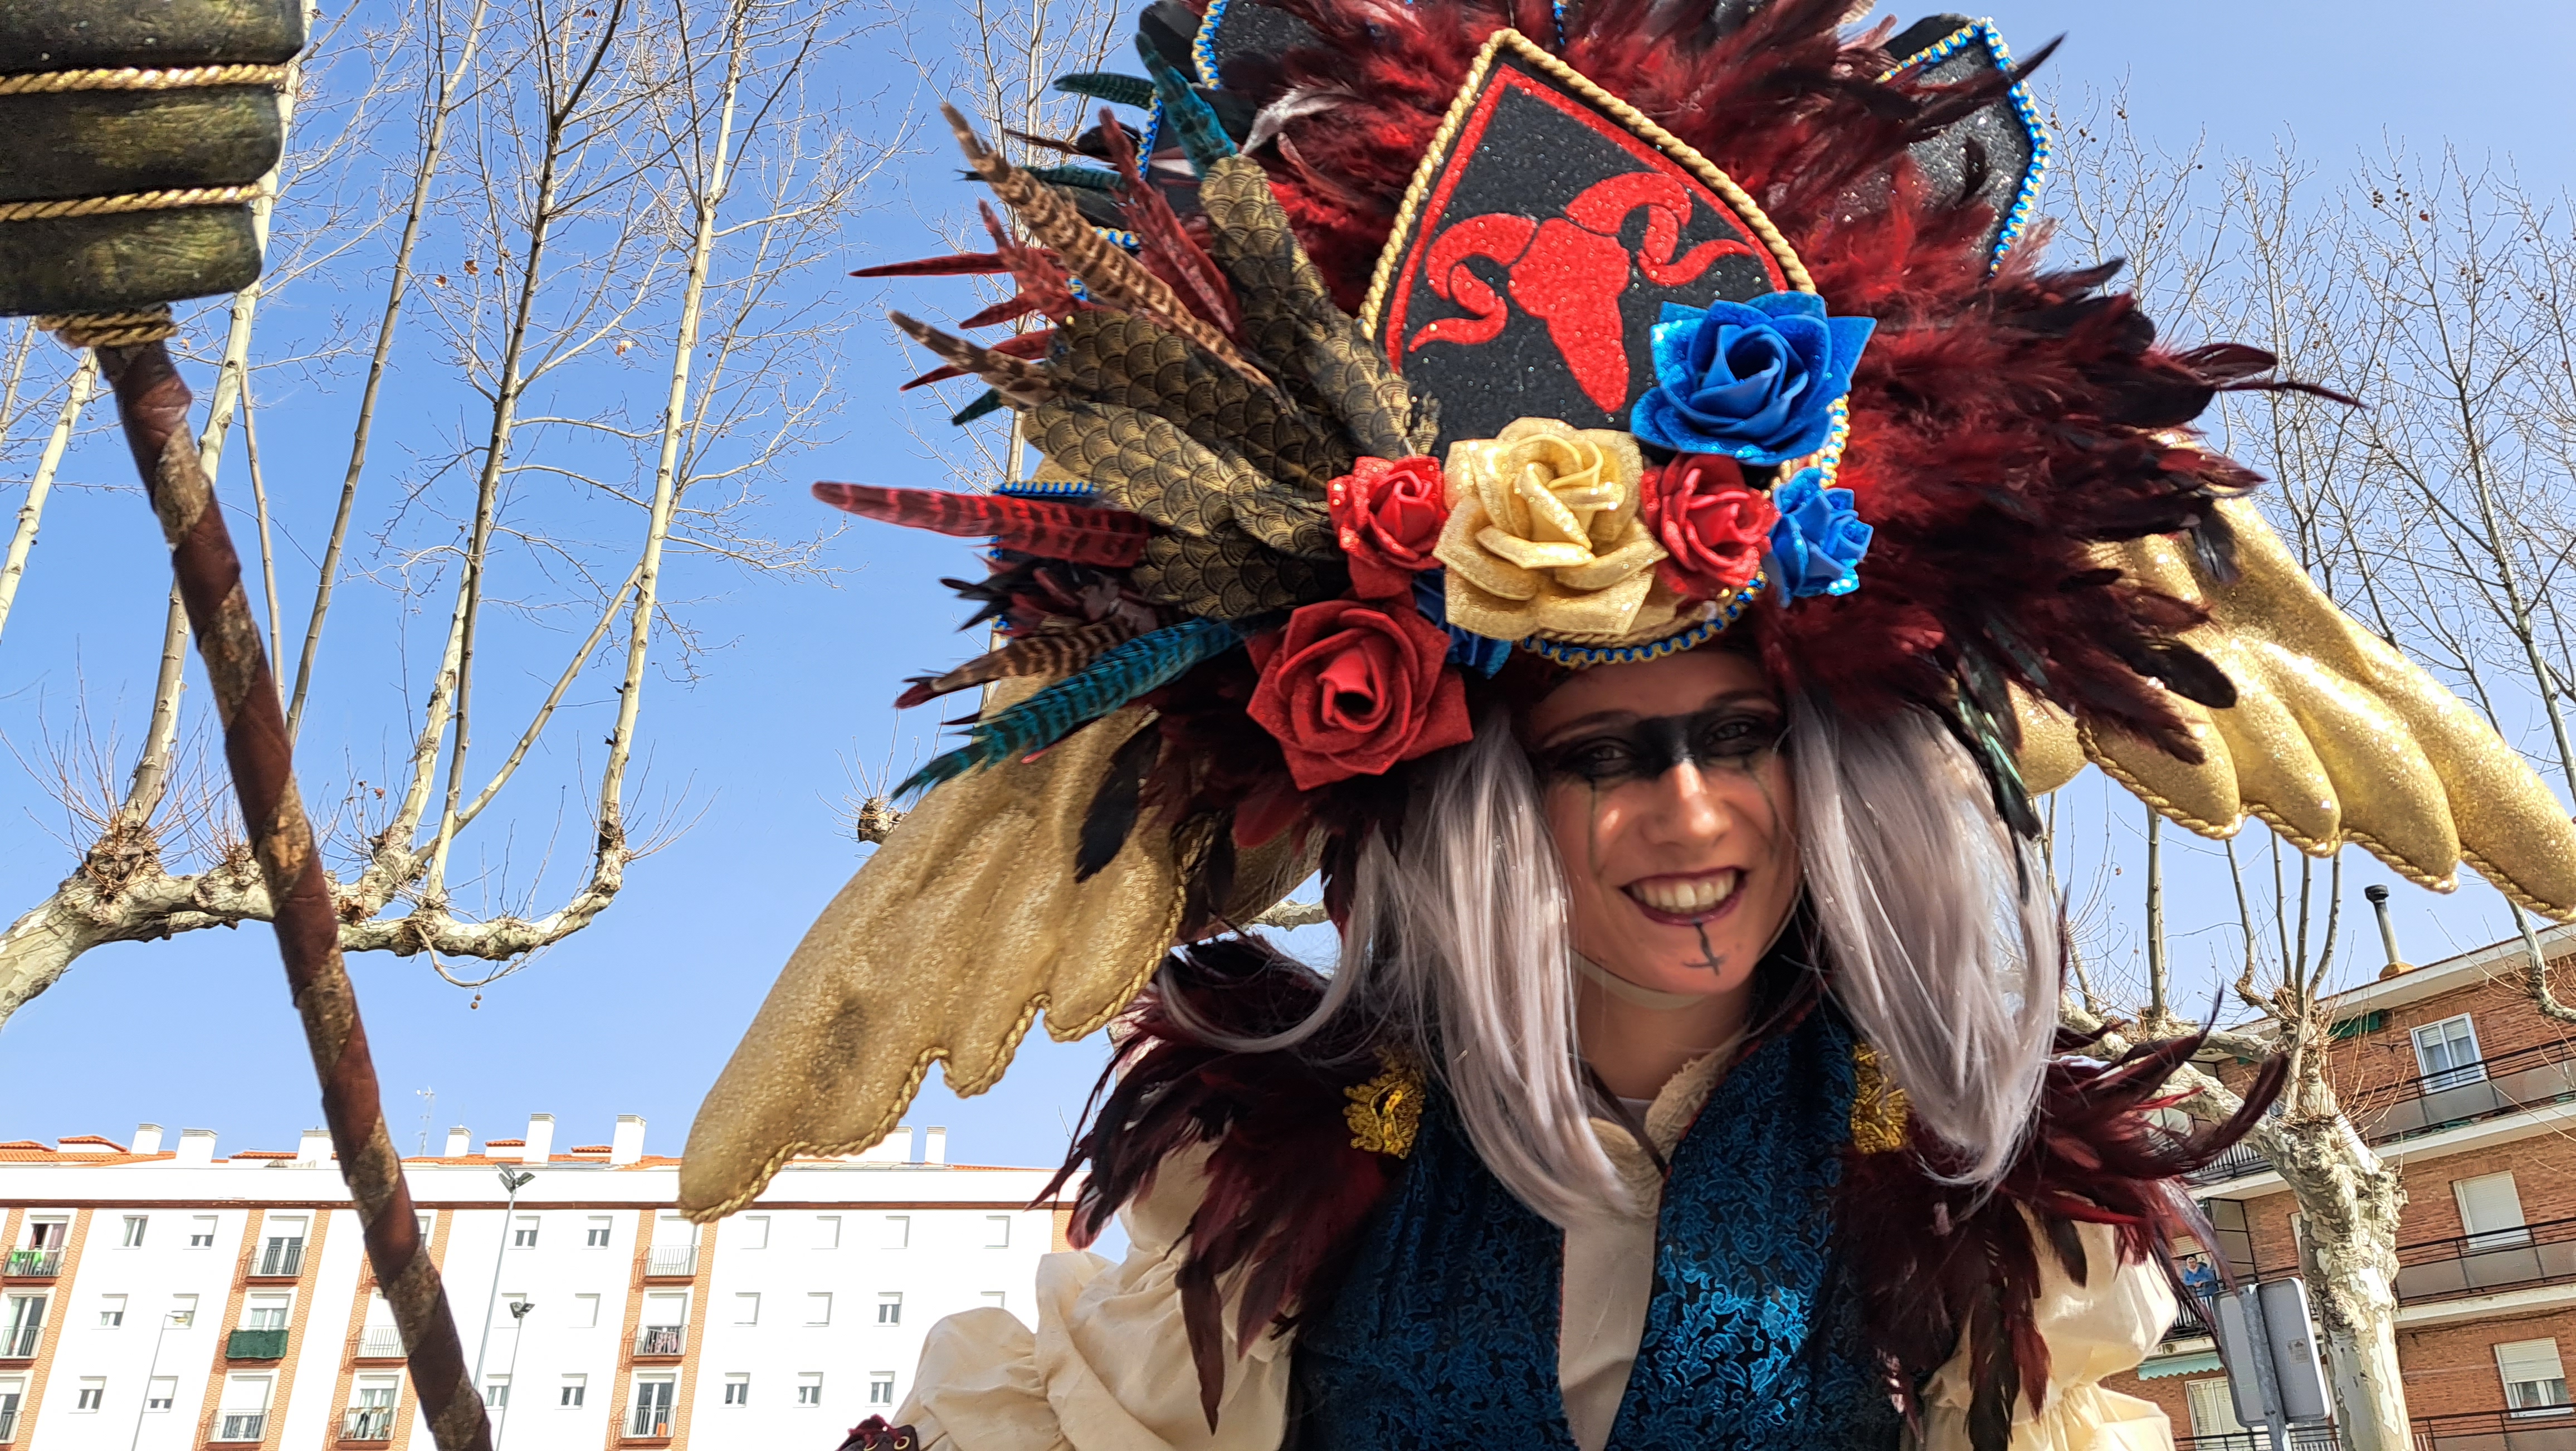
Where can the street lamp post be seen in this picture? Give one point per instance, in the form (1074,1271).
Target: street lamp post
(518,1331)
(168,1318)
(513,1182)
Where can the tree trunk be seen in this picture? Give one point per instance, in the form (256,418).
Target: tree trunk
(2350,1199)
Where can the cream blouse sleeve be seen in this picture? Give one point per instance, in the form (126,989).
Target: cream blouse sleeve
(1108,1367)
(2100,1327)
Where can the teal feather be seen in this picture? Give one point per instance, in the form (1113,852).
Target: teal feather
(1109,86)
(1142,665)
(1193,120)
(990,400)
(1084,178)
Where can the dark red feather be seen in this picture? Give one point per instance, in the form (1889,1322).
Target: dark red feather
(963,264)
(1078,533)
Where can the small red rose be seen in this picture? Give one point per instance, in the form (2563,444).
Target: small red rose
(1387,515)
(1713,525)
(1350,688)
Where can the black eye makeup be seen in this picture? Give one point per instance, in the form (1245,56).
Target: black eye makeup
(1740,735)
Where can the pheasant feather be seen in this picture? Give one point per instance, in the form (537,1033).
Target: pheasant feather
(1166,249)
(1109,86)
(1203,137)
(1140,666)
(1111,277)
(963,264)
(1080,178)
(1048,528)
(985,402)
(1053,652)
(1019,381)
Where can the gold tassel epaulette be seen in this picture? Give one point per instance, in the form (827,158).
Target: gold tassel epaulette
(1878,1108)
(1385,1112)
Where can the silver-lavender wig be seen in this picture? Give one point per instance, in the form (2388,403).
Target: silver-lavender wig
(1458,939)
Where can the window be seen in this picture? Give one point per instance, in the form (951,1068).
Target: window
(26,1326)
(162,1393)
(2213,1407)
(737,1389)
(898,1232)
(827,1231)
(496,1392)
(201,1231)
(2491,1212)
(889,1309)
(746,1309)
(575,1389)
(809,1388)
(585,1312)
(135,1224)
(371,1410)
(183,1311)
(265,1312)
(283,1254)
(998,1299)
(818,1308)
(2533,1378)
(2446,1053)
(111,1311)
(651,1415)
(880,1387)
(751,1232)
(244,1413)
(93,1393)
(48,1233)
(997,1231)
(523,1232)
(594,1235)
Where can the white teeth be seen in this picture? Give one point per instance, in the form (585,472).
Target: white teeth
(1687,898)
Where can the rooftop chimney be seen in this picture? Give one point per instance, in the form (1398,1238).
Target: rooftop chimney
(2378,896)
(314,1147)
(459,1143)
(541,1138)
(627,1144)
(147,1138)
(196,1146)
(934,1146)
(894,1148)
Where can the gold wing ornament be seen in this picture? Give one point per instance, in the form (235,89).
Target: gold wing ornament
(963,925)
(2335,737)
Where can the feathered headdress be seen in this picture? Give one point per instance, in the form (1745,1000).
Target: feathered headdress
(1404,350)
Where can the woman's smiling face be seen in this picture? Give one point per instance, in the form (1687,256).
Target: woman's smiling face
(1671,808)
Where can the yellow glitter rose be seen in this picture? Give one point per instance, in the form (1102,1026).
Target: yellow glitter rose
(1544,537)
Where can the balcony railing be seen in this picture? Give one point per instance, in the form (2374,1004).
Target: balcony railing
(2302,1438)
(368,1423)
(2538,1428)
(255,1345)
(35,1264)
(281,1261)
(242,1426)
(650,1419)
(2525,1078)
(661,1339)
(2499,1259)
(2239,1161)
(18,1342)
(2190,1322)
(677,1263)
(380,1342)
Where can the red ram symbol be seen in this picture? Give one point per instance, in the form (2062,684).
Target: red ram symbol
(1568,272)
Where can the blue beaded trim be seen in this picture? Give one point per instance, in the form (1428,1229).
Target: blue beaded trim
(1584,656)
(1046,489)
(1203,47)
(2026,200)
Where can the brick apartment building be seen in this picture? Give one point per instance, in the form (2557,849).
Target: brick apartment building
(167,1299)
(2458,1080)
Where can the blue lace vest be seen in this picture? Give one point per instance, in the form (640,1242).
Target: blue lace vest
(1445,1332)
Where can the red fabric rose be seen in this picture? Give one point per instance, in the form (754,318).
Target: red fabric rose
(1351,688)
(1387,515)
(1713,525)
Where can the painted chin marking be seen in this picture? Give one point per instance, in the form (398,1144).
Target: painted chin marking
(1687,901)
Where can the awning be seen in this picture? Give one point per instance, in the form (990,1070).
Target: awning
(2170,1365)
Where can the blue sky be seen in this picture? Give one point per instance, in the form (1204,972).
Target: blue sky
(636,1014)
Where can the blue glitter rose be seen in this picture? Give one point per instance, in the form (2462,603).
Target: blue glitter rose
(1819,540)
(1755,381)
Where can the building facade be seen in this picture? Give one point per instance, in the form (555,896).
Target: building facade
(167,1299)
(2460,1080)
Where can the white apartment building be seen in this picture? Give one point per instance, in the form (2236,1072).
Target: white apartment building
(171,1300)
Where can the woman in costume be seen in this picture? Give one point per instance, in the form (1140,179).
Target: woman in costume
(1615,488)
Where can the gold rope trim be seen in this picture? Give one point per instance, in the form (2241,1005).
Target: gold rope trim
(140,201)
(134,78)
(111,329)
(1629,116)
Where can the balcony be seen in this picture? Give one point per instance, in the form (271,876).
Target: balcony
(18,1342)
(368,1423)
(2509,1083)
(2539,1428)
(677,1262)
(242,1425)
(2190,1322)
(280,1261)
(649,1422)
(380,1342)
(2302,1438)
(35,1264)
(2475,1264)
(255,1345)
(660,1340)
